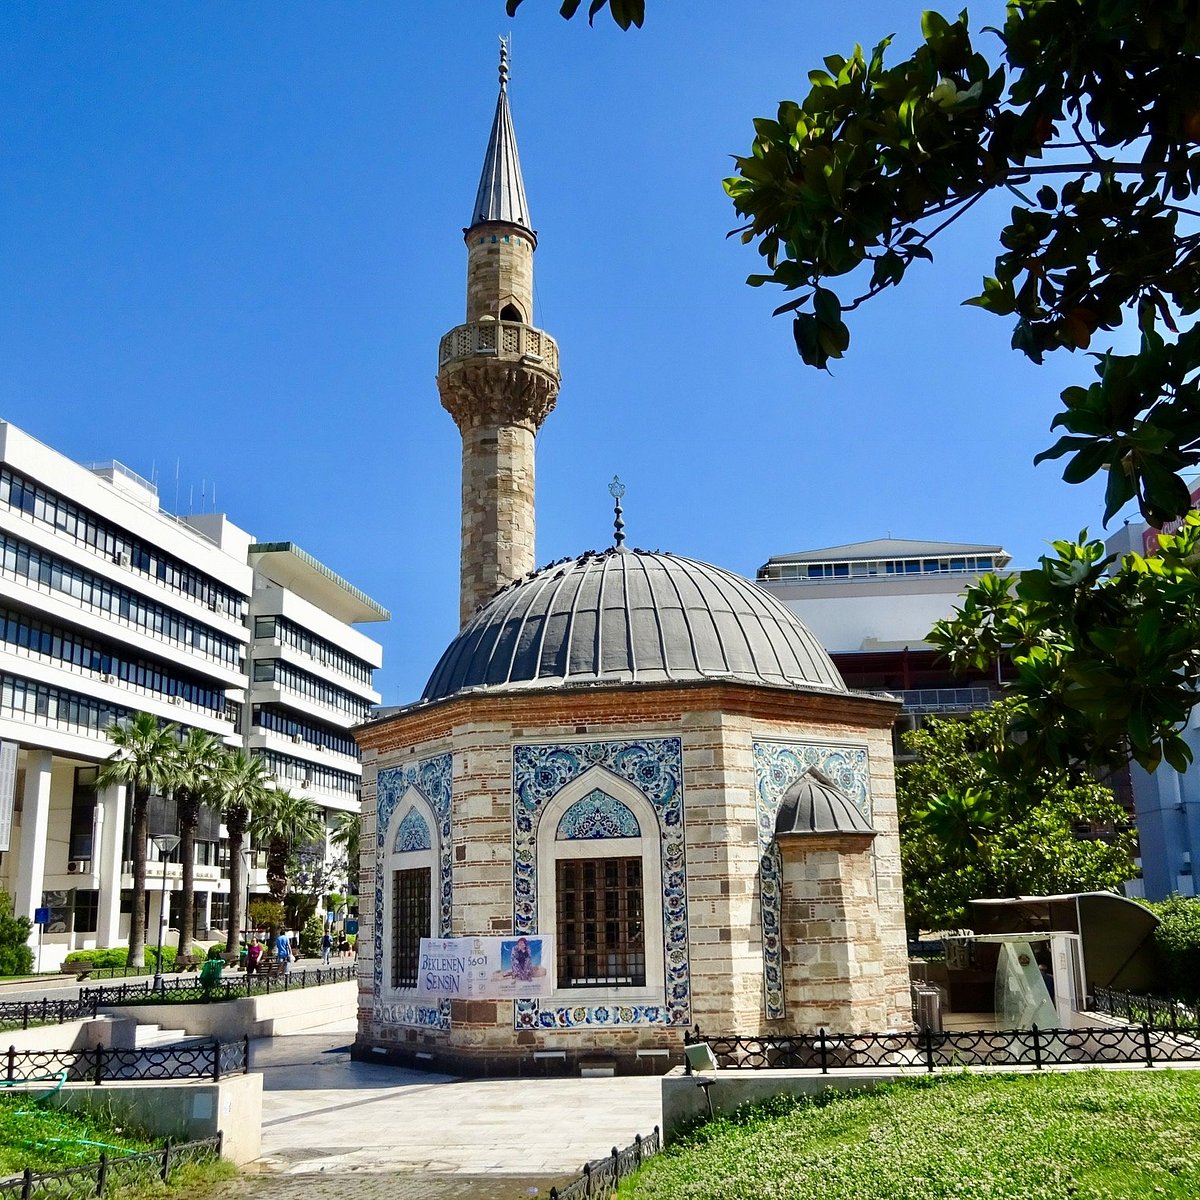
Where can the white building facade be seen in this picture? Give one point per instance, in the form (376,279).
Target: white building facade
(111,605)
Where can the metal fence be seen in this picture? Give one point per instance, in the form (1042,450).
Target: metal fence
(106,1064)
(930,1050)
(1154,1010)
(123,1170)
(599,1179)
(186,989)
(23,1013)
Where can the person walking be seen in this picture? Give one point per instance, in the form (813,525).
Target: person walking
(283,952)
(326,948)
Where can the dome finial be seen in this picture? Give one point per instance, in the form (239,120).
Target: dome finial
(504,43)
(616,490)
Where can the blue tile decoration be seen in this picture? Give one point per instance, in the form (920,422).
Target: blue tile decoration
(597,815)
(777,765)
(412,834)
(433,778)
(655,767)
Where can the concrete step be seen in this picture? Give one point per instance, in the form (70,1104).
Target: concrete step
(155,1035)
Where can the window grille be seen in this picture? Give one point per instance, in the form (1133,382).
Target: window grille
(601,926)
(410,923)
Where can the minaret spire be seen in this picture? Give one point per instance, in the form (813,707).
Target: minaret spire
(501,195)
(498,374)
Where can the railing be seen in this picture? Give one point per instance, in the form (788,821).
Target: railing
(44,1012)
(929,700)
(504,339)
(929,1050)
(106,1064)
(600,1178)
(141,1171)
(1154,1010)
(187,988)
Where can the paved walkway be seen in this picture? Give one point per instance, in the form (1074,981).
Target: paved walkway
(336,1128)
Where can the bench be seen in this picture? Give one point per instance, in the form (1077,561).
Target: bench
(81,970)
(189,962)
(272,968)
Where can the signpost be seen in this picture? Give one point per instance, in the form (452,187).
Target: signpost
(41,918)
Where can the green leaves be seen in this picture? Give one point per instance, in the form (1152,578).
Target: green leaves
(1101,653)
(860,178)
(624,12)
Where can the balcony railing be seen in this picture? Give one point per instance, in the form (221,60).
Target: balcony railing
(502,339)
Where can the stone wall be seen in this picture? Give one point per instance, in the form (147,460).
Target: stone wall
(717,728)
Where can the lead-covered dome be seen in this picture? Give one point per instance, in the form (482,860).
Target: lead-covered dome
(631,616)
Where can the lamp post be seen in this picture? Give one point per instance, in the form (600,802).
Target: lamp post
(165,844)
(247,862)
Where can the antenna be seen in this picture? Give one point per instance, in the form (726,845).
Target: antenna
(616,490)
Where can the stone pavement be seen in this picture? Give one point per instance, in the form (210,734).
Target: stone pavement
(336,1128)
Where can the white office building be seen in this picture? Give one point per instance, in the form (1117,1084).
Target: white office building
(112,605)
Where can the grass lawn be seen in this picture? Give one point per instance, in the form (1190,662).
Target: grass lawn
(44,1139)
(32,1135)
(1092,1135)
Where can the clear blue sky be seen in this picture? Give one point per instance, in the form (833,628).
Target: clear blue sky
(231,235)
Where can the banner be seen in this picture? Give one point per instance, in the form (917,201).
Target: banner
(8,790)
(486,968)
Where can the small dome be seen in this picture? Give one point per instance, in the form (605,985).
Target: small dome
(631,616)
(814,805)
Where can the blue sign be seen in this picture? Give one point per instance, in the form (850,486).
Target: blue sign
(41,916)
(351,925)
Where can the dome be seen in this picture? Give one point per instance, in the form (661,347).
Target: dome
(814,805)
(631,616)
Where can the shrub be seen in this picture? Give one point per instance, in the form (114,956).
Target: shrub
(266,914)
(215,951)
(1177,940)
(310,936)
(16,958)
(118,956)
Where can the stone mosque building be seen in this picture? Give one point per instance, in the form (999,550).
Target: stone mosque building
(641,754)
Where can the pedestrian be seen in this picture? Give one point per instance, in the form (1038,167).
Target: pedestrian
(283,952)
(326,947)
(253,957)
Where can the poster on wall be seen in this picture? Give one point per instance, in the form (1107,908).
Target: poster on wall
(486,968)
(8,790)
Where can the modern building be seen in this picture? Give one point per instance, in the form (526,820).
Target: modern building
(1166,802)
(638,764)
(872,604)
(113,605)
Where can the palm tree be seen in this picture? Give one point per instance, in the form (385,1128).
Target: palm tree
(285,823)
(196,770)
(240,788)
(347,837)
(143,761)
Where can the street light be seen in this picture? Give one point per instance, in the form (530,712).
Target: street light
(165,844)
(247,854)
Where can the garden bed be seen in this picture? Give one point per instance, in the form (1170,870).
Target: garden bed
(1090,1135)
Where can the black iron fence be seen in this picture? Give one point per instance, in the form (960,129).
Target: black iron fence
(929,1050)
(1153,1010)
(186,989)
(23,1013)
(107,1064)
(599,1179)
(121,1170)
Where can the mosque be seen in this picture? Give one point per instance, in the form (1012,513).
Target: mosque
(641,758)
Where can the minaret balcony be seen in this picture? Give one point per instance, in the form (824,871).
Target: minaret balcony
(510,341)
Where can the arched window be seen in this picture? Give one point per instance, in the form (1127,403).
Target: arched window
(411,897)
(600,889)
(510,312)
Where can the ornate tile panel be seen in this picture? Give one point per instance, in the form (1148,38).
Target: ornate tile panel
(597,815)
(412,834)
(777,765)
(654,766)
(433,778)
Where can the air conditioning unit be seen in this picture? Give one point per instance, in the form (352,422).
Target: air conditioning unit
(174,699)
(297,738)
(79,866)
(214,606)
(231,717)
(108,679)
(306,782)
(122,559)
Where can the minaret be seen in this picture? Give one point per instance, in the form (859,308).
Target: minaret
(497,374)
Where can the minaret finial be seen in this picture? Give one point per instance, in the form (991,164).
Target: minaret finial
(504,63)
(616,490)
